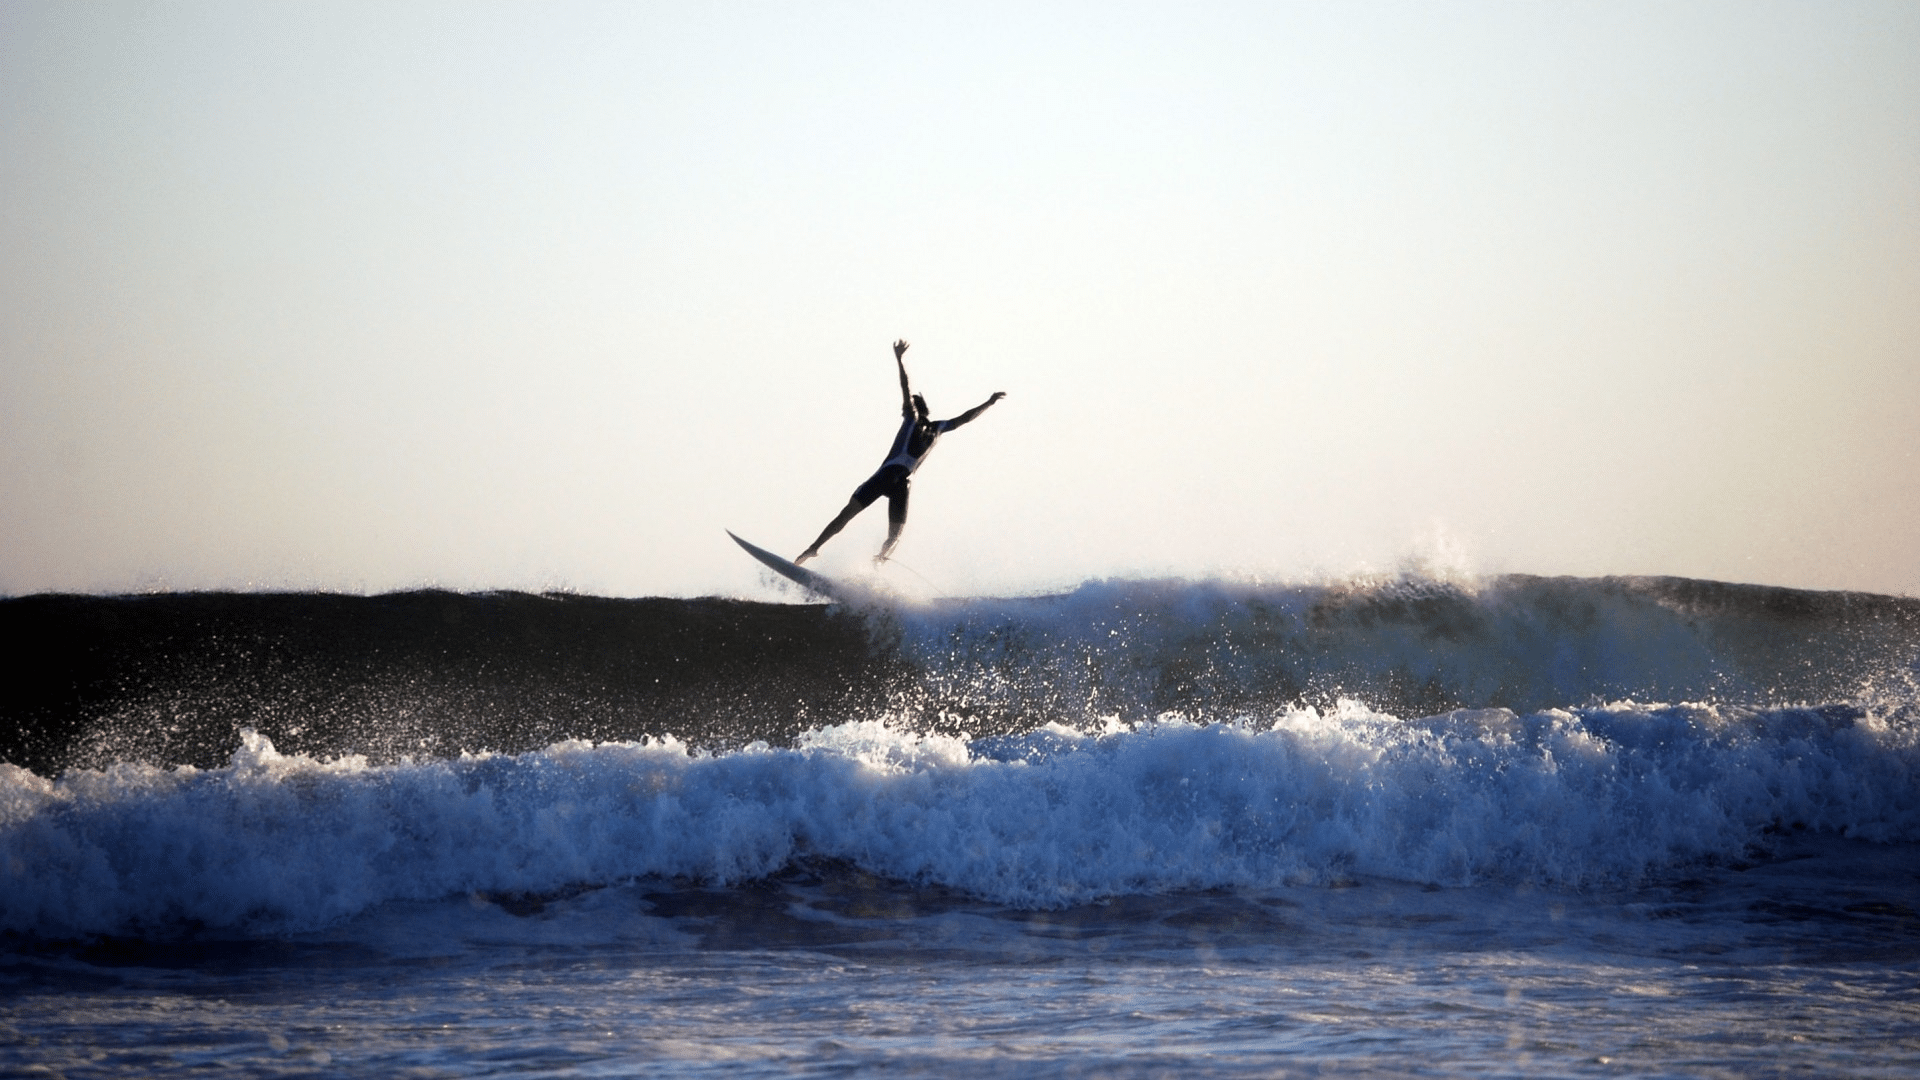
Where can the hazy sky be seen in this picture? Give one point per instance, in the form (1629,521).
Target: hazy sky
(545,296)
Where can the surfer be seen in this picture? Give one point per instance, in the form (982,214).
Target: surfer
(918,432)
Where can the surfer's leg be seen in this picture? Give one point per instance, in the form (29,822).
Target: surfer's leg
(896,520)
(884,482)
(853,507)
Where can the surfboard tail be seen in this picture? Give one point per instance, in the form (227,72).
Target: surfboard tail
(792,571)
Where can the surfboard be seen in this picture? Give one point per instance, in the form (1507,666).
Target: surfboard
(799,575)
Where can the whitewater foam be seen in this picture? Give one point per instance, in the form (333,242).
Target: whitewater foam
(1052,817)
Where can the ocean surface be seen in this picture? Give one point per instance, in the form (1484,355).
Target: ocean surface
(1511,826)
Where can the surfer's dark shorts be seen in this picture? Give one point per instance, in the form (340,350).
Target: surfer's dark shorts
(890,481)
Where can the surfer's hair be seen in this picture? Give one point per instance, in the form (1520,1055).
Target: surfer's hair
(920,405)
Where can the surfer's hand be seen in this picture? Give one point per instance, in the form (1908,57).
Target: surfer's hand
(899,348)
(997,395)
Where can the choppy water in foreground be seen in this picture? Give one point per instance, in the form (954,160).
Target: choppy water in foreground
(1804,965)
(1142,829)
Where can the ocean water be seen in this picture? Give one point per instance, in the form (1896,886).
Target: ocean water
(1526,827)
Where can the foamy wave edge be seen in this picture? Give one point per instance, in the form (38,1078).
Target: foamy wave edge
(279,843)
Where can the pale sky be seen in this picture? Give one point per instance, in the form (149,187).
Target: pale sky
(365,297)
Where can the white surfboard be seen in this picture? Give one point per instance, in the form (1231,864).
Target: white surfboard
(799,575)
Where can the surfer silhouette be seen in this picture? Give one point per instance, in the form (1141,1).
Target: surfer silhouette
(918,433)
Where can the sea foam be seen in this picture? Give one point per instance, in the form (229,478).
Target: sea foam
(1056,816)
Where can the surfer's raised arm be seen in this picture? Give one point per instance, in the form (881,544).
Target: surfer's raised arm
(906,392)
(970,414)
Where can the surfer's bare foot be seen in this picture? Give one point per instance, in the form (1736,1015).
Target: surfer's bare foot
(805,555)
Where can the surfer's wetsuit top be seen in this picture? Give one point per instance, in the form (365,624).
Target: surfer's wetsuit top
(910,448)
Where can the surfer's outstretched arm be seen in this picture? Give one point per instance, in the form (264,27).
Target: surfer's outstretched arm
(968,416)
(906,391)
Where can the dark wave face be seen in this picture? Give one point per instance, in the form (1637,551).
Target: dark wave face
(282,762)
(173,679)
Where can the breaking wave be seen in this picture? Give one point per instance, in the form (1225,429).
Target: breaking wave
(1048,817)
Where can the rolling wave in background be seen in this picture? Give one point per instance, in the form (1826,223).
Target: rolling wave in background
(1128,738)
